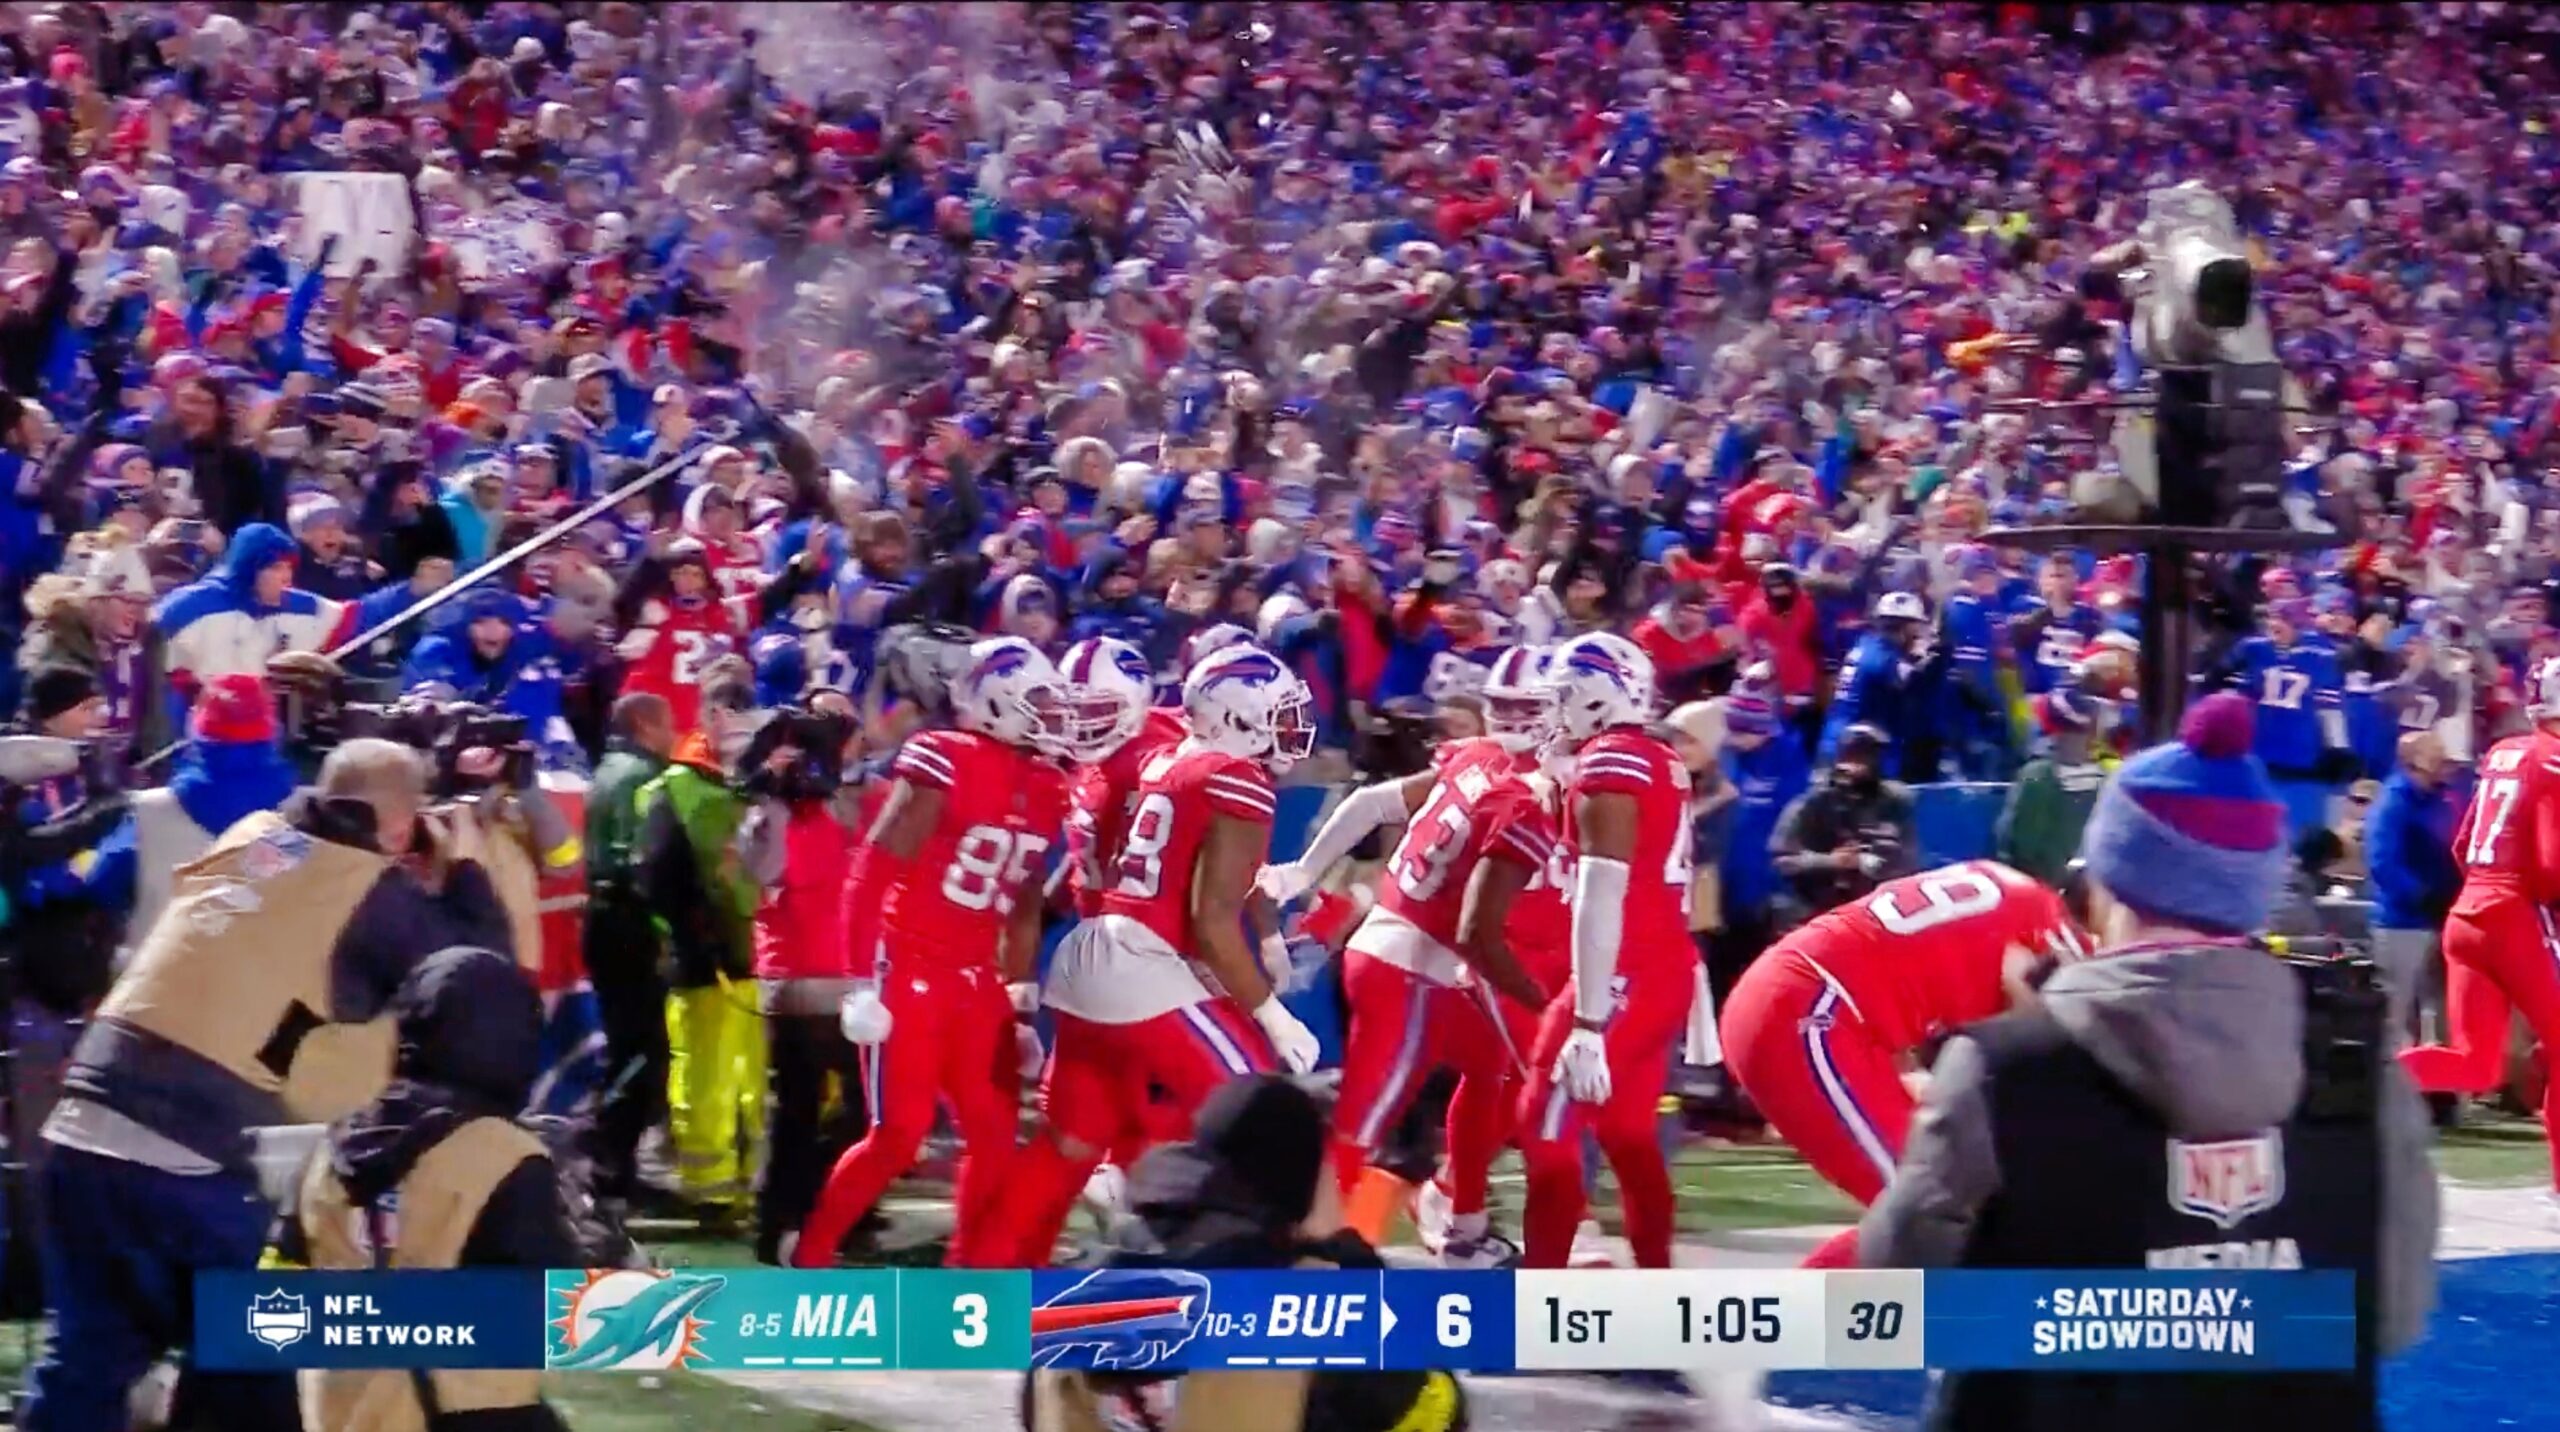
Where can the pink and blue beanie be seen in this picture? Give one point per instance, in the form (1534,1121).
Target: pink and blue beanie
(2190,832)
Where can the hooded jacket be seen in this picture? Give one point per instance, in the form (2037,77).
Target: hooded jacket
(689,867)
(2210,1039)
(218,627)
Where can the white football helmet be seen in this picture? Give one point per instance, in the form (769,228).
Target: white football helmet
(1600,680)
(2542,696)
(1208,642)
(1451,678)
(1108,690)
(1519,705)
(1242,701)
(1010,691)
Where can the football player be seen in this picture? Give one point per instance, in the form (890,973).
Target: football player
(1162,991)
(943,910)
(1818,1027)
(1605,1044)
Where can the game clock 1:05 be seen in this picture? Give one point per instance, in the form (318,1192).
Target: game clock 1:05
(1728,1320)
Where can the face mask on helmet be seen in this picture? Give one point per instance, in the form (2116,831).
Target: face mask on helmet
(1293,730)
(1097,721)
(1519,720)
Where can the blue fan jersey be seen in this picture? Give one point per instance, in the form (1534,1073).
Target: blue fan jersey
(2292,686)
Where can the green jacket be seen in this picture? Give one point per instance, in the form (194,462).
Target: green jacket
(2039,829)
(613,816)
(688,869)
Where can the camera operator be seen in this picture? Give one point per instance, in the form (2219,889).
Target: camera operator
(2048,1134)
(797,843)
(1248,1189)
(1848,834)
(292,922)
(437,1171)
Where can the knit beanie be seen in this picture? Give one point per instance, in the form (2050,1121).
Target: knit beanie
(234,710)
(56,689)
(2190,832)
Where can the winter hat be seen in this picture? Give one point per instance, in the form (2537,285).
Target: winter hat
(2190,832)
(234,710)
(1751,708)
(311,510)
(56,689)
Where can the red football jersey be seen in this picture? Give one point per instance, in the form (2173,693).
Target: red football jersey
(1655,929)
(1105,793)
(1003,810)
(1480,809)
(1179,792)
(685,638)
(1923,953)
(2509,839)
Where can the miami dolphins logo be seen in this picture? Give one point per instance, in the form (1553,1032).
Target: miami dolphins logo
(623,1318)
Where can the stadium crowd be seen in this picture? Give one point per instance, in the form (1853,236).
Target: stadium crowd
(1390,337)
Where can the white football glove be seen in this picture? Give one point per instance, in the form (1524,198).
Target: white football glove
(864,1019)
(1583,1067)
(1027,1053)
(1295,1043)
(1277,967)
(1025,995)
(1284,883)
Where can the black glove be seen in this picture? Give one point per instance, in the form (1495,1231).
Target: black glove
(2337,766)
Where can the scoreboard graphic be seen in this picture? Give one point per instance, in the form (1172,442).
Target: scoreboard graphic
(1184,1320)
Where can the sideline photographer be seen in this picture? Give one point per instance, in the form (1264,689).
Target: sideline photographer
(294,921)
(797,843)
(2048,1134)
(1248,1189)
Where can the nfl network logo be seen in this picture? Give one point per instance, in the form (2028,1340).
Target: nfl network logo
(2227,1181)
(279,1319)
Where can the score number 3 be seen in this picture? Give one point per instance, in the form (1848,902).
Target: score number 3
(971,1310)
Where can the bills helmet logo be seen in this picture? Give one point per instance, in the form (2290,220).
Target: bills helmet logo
(2226,1182)
(1126,1319)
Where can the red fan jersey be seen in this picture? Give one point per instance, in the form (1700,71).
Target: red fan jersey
(1923,953)
(1479,809)
(1003,810)
(1179,791)
(1655,929)
(2509,839)
(737,567)
(666,653)
(1105,793)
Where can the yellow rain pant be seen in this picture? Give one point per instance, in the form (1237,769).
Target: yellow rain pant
(715,1092)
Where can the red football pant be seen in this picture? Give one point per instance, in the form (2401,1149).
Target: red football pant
(1484,1108)
(1402,1027)
(1826,1082)
(2504,958)
(1095,1095)
(1652,1014)
(950,1037)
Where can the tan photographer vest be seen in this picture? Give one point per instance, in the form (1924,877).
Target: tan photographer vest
(436,1207)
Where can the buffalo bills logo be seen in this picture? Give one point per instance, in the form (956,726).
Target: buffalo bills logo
(1599,662)
(1127,1319)
(1251,668)
(1003,661)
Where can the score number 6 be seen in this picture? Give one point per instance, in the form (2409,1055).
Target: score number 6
(1455,1329)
